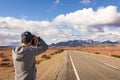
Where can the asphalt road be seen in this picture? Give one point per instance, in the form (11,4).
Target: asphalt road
(66,72)
(85,66)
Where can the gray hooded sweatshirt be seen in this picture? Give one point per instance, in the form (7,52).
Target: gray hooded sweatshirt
(24,60)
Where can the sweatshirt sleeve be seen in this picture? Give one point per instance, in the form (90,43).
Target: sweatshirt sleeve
(36,50)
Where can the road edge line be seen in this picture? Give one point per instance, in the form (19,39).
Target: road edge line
(110,65)
(76,73)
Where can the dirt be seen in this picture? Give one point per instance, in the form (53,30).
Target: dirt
(48,70)
(100,49)
(50,67)
(7,73)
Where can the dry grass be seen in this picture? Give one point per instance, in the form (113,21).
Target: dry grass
(99,49)
(43,63)
(48,69)
(6,65)
(48,54)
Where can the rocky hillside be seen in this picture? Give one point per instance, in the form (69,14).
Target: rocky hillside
(82,43)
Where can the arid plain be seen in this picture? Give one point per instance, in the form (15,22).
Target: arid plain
(49,63)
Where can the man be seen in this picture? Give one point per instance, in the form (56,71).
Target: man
(24,56)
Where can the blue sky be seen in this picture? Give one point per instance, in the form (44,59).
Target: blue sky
(47,9)
(59,20)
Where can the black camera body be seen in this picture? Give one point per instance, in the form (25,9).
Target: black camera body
(35,41)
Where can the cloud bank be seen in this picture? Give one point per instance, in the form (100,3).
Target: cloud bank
(103,16)
(102,24)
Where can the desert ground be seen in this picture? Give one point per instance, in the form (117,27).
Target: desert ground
(49,63)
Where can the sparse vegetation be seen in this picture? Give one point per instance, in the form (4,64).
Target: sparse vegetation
(97,53)
(38,62)
(117,56)
(46,56)
(10,64)
(57,52)
(6,64)
(2,55)
(43,56)
(5,59)
(60,51)
(53,53)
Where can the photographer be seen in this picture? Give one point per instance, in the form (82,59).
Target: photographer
(24,56)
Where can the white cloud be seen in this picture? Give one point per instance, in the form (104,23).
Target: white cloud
(85,1)
(92,24)
(57,1)
(8,37)
(89,17)
(19,25)
(81,24)
(12,28)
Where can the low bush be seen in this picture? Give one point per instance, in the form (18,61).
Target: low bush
(46,56)
(56,52)
(97,53)
(43,56)
(2,55)
(52,53)
(5,59)
(37,62)
(60,51)
(6,64)
(113,55)
(10,64)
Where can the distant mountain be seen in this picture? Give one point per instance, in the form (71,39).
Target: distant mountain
(82,43)
(13,44)
(109,42)
(4,47)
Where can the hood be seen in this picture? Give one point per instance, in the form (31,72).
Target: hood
(18,52)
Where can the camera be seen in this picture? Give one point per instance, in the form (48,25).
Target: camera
(35,41)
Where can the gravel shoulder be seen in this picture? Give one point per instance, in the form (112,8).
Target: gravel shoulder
(48,69)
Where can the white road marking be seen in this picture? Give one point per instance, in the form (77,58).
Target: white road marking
(77,76)
(110,65)
(105,63)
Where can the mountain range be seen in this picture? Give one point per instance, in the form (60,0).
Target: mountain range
(82,43)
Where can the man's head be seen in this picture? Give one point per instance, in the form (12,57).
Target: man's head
(26,37)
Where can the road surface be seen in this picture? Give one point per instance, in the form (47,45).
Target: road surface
(85,66)
(74,65)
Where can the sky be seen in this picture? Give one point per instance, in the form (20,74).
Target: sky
(59,20)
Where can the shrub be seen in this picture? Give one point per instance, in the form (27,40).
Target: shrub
(4,64)
(97,53)
(46,56)
(56,52)
(10,64)
(43,56)
(60,51)
(113,55)
(37,62)
(5,59)
(52,53)
(2,55)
